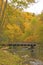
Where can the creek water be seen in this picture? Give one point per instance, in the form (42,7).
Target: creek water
(29,56)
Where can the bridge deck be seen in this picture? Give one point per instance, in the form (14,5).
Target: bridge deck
(20,44)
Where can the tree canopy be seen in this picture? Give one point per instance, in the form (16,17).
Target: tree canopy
(21,3)
(21,26)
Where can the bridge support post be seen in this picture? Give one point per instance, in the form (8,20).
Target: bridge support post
(33,51)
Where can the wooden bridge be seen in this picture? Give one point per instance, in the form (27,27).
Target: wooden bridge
(22,44)
(26,46)
(31,45)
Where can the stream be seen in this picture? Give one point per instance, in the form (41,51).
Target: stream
(28,56)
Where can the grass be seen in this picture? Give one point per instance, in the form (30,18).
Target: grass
(6,58)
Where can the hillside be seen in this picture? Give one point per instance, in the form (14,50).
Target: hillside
(21,26)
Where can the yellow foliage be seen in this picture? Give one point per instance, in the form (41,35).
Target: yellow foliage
(32,38)
(27,15)
(27,25)
(14,29)
(10,27)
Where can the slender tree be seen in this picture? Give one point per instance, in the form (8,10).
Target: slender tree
(3,7)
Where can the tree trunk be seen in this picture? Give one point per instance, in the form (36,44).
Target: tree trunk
(3,8)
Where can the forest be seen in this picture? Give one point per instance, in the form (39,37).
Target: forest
(18,26)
